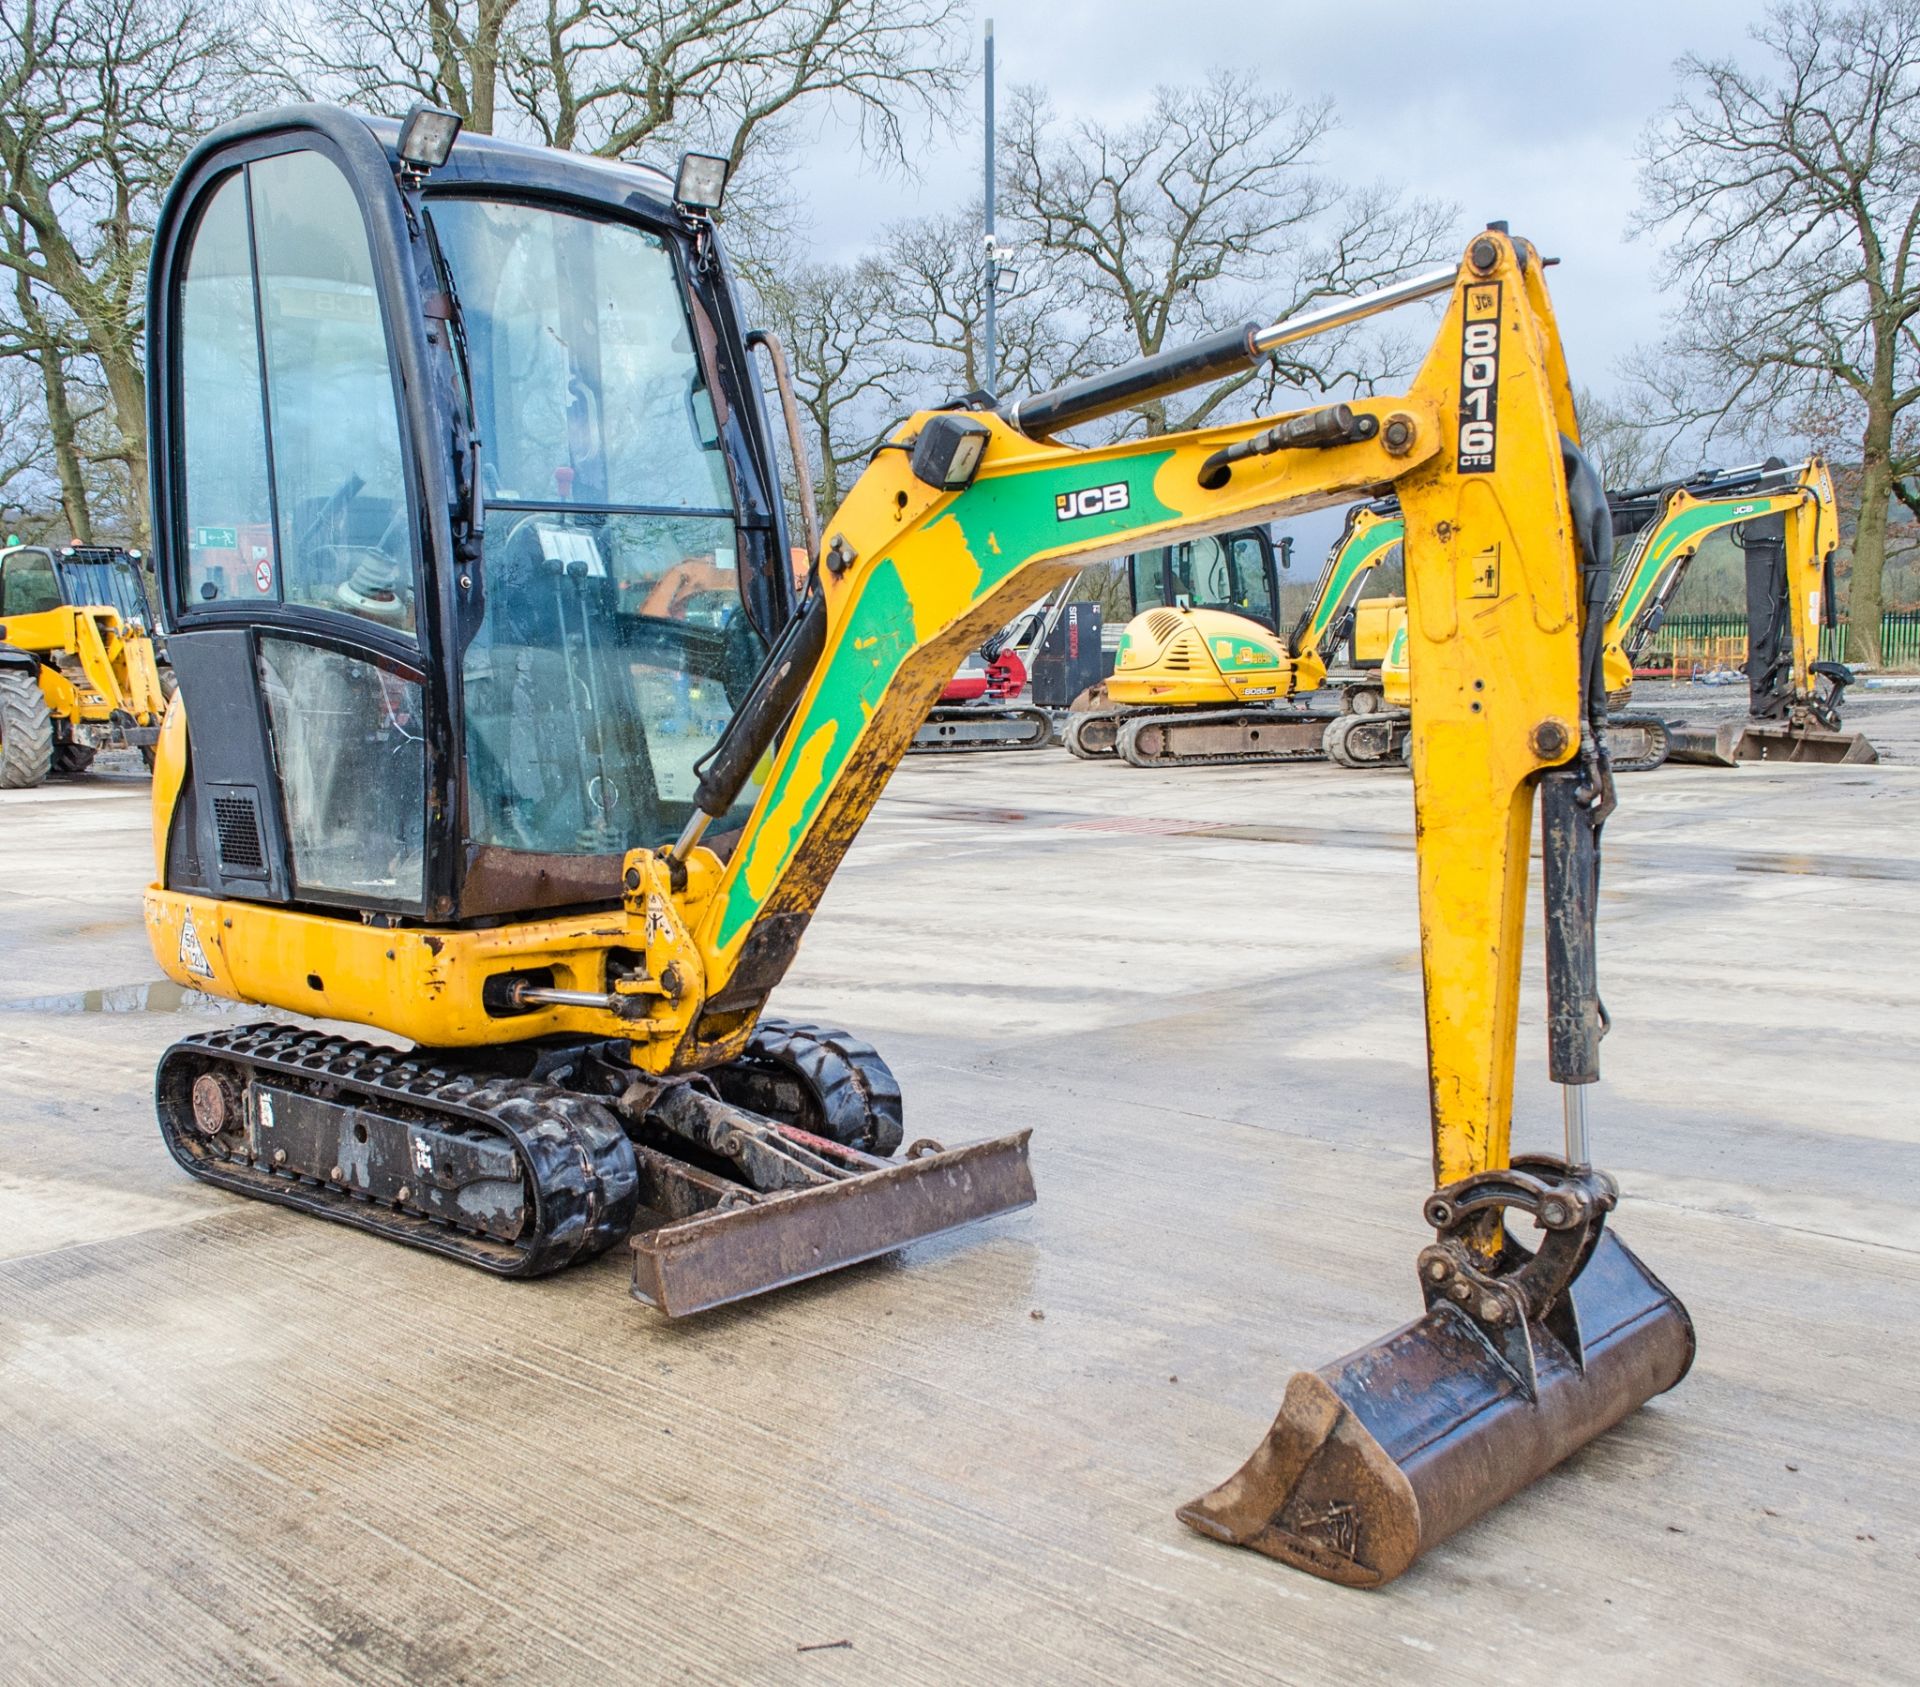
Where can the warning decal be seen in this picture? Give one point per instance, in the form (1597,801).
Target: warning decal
(192,956)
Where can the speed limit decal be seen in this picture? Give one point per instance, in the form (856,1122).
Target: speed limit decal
(1480,378)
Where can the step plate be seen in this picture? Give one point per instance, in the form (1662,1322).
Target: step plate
(700,1263)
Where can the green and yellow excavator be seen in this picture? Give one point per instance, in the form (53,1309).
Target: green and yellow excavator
(1203,676)
(444,763)
(1784,519)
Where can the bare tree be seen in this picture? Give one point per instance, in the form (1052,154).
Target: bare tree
(849,369)
(610,76)
(26,494)
(938,305)
(98,101)
(1623,439)
(1211,210)
(1793,197)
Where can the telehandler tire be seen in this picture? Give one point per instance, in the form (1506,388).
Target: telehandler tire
(26,731)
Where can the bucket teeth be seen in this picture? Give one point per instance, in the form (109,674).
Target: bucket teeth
(1379,1456)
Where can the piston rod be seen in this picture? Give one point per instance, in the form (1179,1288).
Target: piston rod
(1042,414)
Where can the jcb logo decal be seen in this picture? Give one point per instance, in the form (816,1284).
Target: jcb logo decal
(1091,500)
(1479,378)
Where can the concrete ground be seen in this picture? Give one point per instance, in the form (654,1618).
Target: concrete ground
(236,1443)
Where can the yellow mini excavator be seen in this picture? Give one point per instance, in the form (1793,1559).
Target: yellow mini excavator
(1784,519)
(1203,677)
(78,666)
(437,768)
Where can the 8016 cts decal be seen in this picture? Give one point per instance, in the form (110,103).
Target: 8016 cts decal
(1480,379)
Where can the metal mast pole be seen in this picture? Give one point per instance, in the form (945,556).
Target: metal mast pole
(987,352)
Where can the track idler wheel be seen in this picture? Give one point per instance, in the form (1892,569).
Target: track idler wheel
(1516,1363)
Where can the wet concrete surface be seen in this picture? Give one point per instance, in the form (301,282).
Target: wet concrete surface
(241,1444)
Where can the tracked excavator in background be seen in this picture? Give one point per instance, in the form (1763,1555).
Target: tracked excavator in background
(1783,517)
(80,669)
(1206,678)
(487,824)
(981,707)
(1786,523)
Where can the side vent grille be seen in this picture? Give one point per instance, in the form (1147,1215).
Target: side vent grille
(236,826)
(1162,624)
(1187,655)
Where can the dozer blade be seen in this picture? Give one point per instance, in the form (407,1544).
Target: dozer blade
(1732,742)
(1388,1451)
(732,1253)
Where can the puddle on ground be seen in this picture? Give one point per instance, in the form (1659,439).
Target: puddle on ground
(161,996)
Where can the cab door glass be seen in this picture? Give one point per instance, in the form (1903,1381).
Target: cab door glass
(1150,578)
(351,753)
(229,510)
(1252,594)
(339,478)
(27,584)
(612,645)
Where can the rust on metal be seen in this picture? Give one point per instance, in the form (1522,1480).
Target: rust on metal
(1731,742)
(1377,1457)
(730,1254)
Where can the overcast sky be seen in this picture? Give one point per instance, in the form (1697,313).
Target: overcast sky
(1508,109)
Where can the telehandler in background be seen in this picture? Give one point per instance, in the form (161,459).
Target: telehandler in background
(1203,676)
(79,664)
(490,828)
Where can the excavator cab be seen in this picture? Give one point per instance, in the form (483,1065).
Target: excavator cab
(522,700)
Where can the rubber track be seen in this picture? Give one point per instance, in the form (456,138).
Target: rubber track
(1128,752)
(1662,739)
(26,731)
(1038,722)
(1339,731)
(852,1085)
(584,1175)
(1074,736)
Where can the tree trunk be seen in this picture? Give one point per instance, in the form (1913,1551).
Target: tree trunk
(1870,539)
(53,382)
(66,453)
(127,387)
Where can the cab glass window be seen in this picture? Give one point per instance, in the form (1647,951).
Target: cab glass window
(612,652)
(1251,591)
(339,480)
(229,511)
(348,742)
(586,384)
(27,584)
(612,644)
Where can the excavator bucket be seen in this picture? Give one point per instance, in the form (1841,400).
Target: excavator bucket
(1379,1456)
(1732,742)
